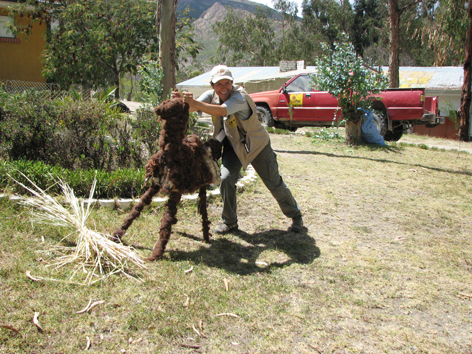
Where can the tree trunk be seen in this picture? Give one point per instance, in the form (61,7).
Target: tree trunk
(117,84)
(167,45)
(394,59)
(464,111)
(353,132)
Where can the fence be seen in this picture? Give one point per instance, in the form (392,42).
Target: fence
(52,90)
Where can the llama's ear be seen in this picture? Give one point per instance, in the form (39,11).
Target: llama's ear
(158,110)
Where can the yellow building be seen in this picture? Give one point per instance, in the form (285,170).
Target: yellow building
(20,56)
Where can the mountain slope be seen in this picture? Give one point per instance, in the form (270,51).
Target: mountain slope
(207,13)
(200,6)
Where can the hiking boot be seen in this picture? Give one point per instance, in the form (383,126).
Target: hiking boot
(297,224)
(225,228)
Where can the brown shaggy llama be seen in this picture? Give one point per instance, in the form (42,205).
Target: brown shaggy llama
(183,164)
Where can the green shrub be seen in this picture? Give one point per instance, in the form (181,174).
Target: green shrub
(28,123)
(326,134)
(71,132)
(147,128)
(123,183)
(75,140)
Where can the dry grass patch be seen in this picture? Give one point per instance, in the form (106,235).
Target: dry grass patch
(385,266)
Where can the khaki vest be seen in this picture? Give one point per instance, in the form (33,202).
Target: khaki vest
(248,137)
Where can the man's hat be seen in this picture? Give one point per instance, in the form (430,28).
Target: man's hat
(220,72)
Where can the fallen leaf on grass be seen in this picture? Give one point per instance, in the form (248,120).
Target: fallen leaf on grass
(28,274)
(262,263)
(469,296)
(95,304)
(36,322)
(131,341)
(189,270)
(88,344)
(226,284)
(85,308)
(200,325)
(187,301)
(90,306)
(12,329)
(197,332)
(227,314)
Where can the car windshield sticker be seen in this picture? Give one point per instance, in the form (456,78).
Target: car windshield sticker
(296,100)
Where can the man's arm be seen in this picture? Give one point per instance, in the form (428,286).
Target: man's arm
(208,108)
(195,105)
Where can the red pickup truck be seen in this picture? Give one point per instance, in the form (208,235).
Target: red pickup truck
(298,104)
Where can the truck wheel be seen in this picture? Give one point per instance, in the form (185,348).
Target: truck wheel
(380,122)
(265,117)
(394,136)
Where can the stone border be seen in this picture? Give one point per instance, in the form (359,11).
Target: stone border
(127,203)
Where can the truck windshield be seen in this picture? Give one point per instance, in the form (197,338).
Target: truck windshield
(301,84)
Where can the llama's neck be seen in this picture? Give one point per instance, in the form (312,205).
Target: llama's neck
(170,136)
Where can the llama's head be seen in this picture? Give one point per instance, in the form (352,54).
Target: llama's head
(173,112)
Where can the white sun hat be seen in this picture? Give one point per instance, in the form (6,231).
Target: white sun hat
(220,72)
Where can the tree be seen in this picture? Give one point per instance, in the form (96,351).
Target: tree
(289,11)
(95,42)
(245,40)
(302,44)
(329,18)
(444,30)
(395,11)
(464,112)
(167,43)
(366,24)
(343,74)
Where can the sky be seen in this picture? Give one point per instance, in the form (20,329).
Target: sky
(269,3)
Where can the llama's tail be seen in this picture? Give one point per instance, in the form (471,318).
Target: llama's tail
(146,199)
(202,209)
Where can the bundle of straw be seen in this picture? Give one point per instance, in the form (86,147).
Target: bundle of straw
(94,252)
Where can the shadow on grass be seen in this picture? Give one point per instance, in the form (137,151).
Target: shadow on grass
(373,148)
(243,257)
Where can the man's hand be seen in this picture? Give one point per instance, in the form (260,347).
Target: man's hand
(175,94)
(188,98)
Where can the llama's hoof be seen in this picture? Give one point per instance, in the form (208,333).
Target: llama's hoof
(206,237)
(115,238)
(152,258)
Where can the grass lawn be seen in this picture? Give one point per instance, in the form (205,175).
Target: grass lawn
(385,266)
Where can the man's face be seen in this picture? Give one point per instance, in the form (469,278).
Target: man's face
(223,88)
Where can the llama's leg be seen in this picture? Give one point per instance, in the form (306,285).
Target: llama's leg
(146,199)
(167,221)
(202,209)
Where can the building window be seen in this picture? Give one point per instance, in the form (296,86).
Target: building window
(4,31)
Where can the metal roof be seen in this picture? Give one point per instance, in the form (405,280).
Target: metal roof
(447,78)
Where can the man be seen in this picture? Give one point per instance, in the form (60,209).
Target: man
(245,141)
